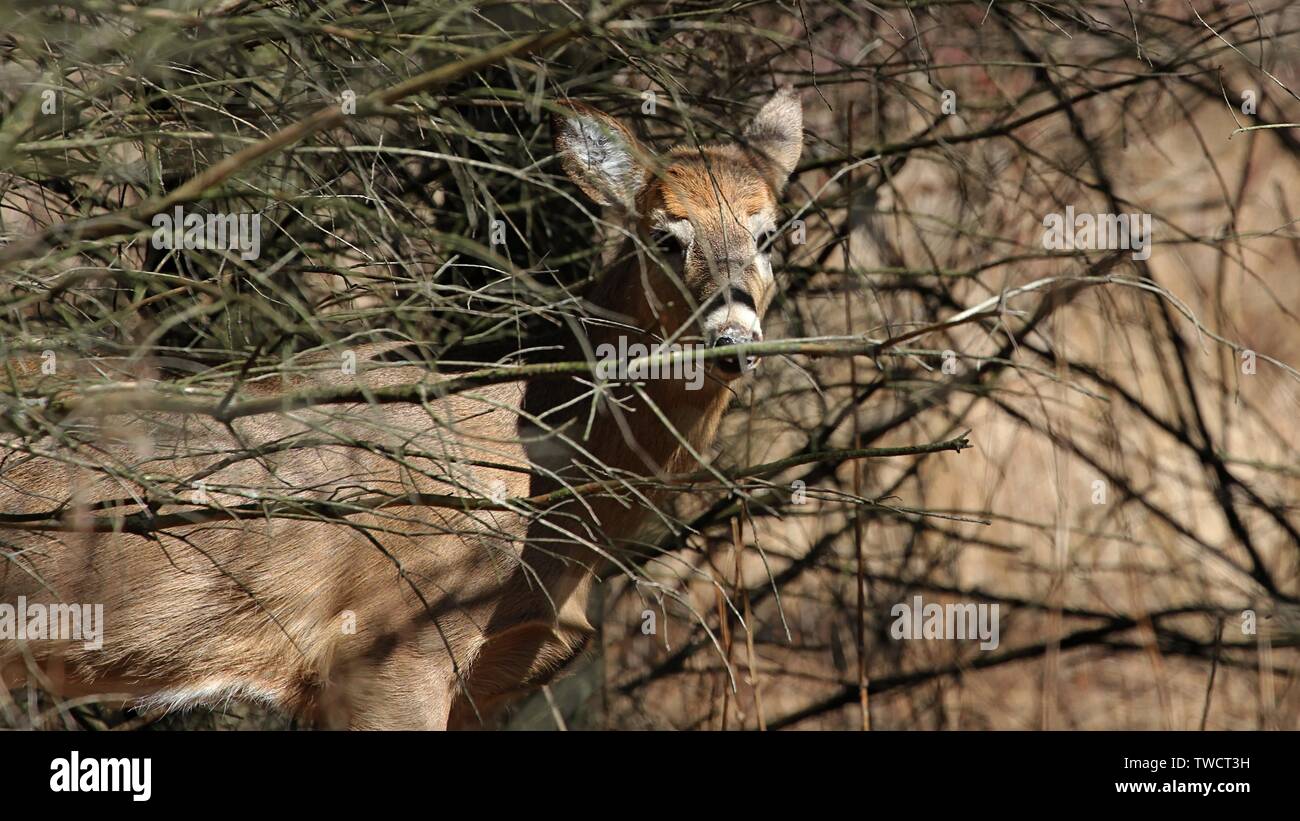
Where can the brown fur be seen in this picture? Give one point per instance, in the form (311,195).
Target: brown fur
(455,612)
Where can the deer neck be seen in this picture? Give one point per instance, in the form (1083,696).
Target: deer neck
(656,429)
(667,418)
(658,426)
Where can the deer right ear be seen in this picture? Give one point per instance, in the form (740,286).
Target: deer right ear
(600,155)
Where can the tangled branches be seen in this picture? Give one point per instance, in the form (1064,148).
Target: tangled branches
(1129,487)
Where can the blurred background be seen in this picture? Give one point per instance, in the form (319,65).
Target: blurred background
(1129,499)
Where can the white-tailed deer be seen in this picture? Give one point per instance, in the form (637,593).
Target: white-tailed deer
(275,579)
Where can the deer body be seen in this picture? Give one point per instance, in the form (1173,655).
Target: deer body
(412,615)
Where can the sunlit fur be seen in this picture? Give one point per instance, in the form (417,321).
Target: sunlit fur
(456,612)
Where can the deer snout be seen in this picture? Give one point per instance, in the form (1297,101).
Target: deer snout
(736,334)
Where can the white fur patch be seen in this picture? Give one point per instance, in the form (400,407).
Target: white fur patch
(759,224)
(213,693)
(734,315)
(763,262)
(603,155)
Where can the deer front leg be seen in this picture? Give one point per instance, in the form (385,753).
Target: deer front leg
(513,664)
(404,689)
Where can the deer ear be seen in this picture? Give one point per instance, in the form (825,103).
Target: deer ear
(600,155)
(775,136)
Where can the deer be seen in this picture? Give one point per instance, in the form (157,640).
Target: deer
(412,616)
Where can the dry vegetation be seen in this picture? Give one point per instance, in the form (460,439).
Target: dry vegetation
(1130,490)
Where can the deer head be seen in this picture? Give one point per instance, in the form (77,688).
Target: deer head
(706,215)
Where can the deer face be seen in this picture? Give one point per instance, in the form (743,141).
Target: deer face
(707,214)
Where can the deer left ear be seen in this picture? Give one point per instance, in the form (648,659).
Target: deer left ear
(775,136)
(600,155)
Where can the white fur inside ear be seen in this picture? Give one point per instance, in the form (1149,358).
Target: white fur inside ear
(601,159)
(776,131)
(600,151)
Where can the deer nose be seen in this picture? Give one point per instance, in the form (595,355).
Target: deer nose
(736,335)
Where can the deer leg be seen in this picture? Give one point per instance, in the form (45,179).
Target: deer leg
(511,665)
(405,690)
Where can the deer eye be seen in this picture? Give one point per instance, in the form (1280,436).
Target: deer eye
(766,238)
(662,237)
(665,240)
